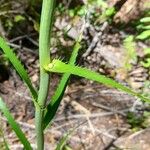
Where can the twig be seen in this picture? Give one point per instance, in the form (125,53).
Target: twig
(94,115)
(95,39)
(23,48)
(109,109)
(9,12)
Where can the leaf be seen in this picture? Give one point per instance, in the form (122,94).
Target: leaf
(144,35)
(3,142)
(36,26)
(57,97)
(110,11)
(146,27)
(18,66)
(14,126)
(130,52)
(63,141)
(147,63)
(58,66)
(6,145)
(145,19)
(146,51)
(19,18)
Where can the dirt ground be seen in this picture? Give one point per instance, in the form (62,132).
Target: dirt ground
(98,115)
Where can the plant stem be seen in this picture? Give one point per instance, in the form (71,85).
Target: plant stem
(44,57)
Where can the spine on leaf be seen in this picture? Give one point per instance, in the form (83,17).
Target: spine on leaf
(60,67)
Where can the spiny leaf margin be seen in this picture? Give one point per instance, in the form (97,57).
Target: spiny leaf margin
(58,66)
(18,66)
(57,97)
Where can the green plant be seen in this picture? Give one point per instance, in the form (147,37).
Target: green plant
(3,143)
(144,28)
(44,114)
(138,122)
(146,62)
(130,52)
(135,121)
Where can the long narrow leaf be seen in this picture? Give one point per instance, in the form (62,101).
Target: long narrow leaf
(60,67)
(14,126)
(56,99)
(6,145)
(66,137)
(63,141)
(145,19)
(144,35)
(18,66)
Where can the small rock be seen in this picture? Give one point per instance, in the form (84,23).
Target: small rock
(138,141)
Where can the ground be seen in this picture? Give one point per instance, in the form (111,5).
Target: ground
(101,118)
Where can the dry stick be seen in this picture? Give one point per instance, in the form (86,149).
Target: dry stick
(9,12)
(95,40)
(23,48)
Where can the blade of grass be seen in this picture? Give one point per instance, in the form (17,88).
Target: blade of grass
(18,66)
(14,126)
(56,99)
(60,67)
(66,137)
(4,142)
(63,141)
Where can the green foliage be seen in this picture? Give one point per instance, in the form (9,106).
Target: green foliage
(99,3)
(58,95)
(62,143)
(14,125)
(19,18)
(18,66)
(135,121)
(138,122)
(4,60)
(78,11)
(146,62)
(3,144)
(144,28)
(130,52)
(146,122)
(145,20)
(13,19)
(110,12)
(60,67)
(144,35)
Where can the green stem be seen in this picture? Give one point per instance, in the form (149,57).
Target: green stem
(44,56)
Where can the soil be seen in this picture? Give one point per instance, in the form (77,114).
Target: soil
(96,114)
